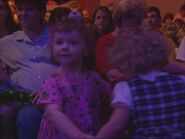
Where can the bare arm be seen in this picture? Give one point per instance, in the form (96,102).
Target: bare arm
(117,123)
(114,75)
(176,67)
(62,123)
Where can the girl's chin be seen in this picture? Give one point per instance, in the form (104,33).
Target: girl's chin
(66,62)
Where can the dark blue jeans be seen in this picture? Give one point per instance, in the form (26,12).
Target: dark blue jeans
(28,122)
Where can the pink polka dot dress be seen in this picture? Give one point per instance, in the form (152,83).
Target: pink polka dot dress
(79,98)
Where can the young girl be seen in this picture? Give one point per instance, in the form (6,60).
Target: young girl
(72,96)
(102,22)
(152,100)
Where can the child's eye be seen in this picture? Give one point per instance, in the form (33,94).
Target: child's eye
(98,17)
(74,42)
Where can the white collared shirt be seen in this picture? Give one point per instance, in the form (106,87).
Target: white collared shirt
(29,60)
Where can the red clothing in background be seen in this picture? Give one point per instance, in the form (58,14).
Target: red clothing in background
(104,43)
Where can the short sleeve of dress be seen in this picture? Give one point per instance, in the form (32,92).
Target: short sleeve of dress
(122,95)
(50,92)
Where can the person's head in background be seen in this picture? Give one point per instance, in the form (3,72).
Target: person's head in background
(145,51)
(3,12)
(168,18)
(129,13)
(86,16)
(102,19)
(31,13)
(179,23)
(58,14)
(73,45)
(153,18)
(7,23)
(182,10)
(76,15)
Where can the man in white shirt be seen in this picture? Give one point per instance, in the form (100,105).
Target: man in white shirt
(28,53)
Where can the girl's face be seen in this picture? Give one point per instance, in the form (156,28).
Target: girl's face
(69,47)
(101,20)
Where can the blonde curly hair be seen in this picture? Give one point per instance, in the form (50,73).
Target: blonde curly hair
(129,12)
(138,51)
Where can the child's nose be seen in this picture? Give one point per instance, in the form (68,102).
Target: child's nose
(65,45)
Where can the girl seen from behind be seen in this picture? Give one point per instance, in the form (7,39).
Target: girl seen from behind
(71,97)
(152,100)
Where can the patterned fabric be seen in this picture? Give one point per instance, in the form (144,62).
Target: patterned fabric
(79,99)
(159,107)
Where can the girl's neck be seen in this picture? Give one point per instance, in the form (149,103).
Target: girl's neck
(72,71)
(101,31)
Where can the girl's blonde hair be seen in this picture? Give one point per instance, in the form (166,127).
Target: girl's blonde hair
(70,25)
(139,51)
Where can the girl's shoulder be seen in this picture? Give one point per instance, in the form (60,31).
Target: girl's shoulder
(98,80)
(52,78)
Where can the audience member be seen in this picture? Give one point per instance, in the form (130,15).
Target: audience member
(181,13)
(102,22)
(180,33)
(3,30)
(153,22)
(58,14)
(168,27)
(28,54)
(7,24)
